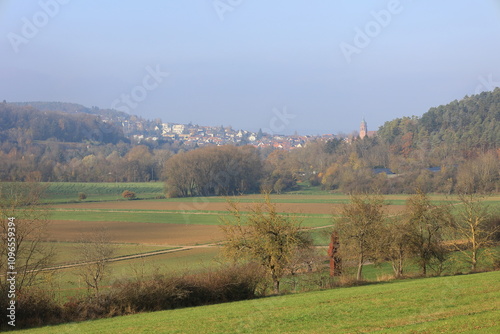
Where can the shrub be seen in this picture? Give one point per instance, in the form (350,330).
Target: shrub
(34,307)
(167,292)
(82,196)
(128,194)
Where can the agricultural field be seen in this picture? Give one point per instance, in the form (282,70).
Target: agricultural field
(456,304)
(154,233)
(64,192)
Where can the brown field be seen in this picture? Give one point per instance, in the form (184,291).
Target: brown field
(296,208)
(143,233)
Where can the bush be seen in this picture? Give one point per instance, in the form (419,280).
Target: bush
(128,194)
(166,292)
(34,307)
(82,196)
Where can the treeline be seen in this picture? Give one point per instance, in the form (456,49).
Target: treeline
(424,233)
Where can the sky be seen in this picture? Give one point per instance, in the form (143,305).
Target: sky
(285,66)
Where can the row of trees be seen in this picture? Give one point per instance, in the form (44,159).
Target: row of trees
(109,163)
(425,233)
(334,165)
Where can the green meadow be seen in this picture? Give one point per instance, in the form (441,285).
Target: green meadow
(453,304)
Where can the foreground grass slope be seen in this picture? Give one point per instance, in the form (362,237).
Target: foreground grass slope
(457,304)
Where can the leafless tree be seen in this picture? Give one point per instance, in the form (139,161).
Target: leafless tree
(24,226)
(265,237)
(359,228)
(95,250)
(472,229)
(426,223)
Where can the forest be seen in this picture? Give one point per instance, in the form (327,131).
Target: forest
(453,148)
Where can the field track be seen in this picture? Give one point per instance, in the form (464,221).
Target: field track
(294,208)
(129,257)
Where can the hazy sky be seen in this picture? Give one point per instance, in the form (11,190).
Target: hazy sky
(309,66)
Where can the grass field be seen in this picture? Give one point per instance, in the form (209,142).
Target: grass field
(457,304)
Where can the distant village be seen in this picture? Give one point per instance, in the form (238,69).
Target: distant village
(197,136)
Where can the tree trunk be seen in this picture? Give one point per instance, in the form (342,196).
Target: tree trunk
(360,268)
(397,266)
(474,250)
(474,260)
(400,264)
(276,284)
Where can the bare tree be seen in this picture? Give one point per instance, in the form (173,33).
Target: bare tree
(359,229)
(23,229)
(426,223)
(472,229)
(264,236)
(95,251)
(394,243)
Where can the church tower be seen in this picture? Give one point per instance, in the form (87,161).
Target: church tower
(363,129)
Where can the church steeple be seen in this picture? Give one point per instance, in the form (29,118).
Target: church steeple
(363,129)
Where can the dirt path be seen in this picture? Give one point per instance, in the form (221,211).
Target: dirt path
(130,257)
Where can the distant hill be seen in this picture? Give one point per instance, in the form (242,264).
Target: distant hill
(54,106)
(130,124)
(65,123)
(468,125)
(73,108)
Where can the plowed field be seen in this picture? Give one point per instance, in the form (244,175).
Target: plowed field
(140,233)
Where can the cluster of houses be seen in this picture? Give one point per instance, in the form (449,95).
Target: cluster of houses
(209,135)
(197,136)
